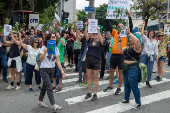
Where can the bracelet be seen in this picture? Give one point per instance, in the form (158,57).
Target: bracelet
(119,40)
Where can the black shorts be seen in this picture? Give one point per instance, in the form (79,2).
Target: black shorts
(13,64)
(114,62)
(83,67)
(92,63)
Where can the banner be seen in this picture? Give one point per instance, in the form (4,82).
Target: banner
(92,26)
(33,20)
(7,29)
(51,46)
(79,24)
(123,32)
(57,17)
(118,9)
(39,27)
(168,30)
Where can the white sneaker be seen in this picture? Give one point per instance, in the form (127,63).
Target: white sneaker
(42,105)
(18,88)
(56,108)
(9,87)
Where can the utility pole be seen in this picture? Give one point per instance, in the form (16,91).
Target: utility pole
(32,5)
(91,4)
(61,1)
(167,12)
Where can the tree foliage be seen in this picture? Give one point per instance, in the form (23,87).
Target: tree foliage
(148,9)
(100,15)
(81,16)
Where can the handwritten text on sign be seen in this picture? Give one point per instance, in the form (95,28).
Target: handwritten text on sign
(92,26)
(79,24)
(33,20)
(7,29)
(117,9)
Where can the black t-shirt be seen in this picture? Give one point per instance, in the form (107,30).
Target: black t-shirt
(105,48)
(3,48)
(14,51)
(94,50)
(84,44)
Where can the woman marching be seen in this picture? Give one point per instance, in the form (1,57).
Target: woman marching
(131,67)
(162,45)
(92,62)
(33,51)
(47,69)
(150,50)
(14,61)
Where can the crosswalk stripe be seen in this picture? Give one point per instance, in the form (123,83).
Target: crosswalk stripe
(69,80)
(71,88)
(71,74)
(117,108)
(101,94)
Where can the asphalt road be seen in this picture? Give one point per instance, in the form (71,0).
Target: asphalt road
(154,100)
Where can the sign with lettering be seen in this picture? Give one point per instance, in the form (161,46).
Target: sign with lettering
(79,24)
(33,20)
(92,26)
(40,27)
(123,32)
(118,9)
(168,30)
(7,29)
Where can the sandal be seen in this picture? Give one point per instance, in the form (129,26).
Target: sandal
(58,89)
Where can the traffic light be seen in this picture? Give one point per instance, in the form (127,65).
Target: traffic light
(65,17)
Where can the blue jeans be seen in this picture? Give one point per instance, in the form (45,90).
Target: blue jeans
(80,72)
(24,69)
(108,60)
(3,58)
(131,83)
(146,60)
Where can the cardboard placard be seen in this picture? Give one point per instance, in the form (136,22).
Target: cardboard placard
(92,26)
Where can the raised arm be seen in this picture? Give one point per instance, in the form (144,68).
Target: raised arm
(109,27)
(14,40)
(130,21)
(77,33)
(36,26)
(7,42)
(119,47)
(62,42)
(85,32)
(100,36)
(21,43)
(142,30)
(135,39)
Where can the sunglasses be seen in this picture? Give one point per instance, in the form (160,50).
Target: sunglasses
(36,42)
(95,33)
(53,36)
(15,36)
(32,31)
(145,32)
(161,35)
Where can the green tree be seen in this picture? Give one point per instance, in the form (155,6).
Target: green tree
(100,15)
(148,9)
(51,48)
(81,16)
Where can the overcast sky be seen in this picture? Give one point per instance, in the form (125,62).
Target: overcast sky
(81,4)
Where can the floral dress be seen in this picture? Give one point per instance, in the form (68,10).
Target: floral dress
(162,51)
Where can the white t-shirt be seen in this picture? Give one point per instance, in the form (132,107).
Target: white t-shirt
(49,60)
(32,53)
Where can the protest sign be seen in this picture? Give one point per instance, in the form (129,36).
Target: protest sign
(168,30)
(51,46)
(33,20)
(123,32)
(7,29)
(57,17)
(79,24)
(39,27)
(92,26)
(118,9)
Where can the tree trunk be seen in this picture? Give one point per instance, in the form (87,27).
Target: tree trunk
(32,5)
(10,9)
(146,22)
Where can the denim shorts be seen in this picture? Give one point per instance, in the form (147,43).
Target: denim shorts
(57,73)
(161,59)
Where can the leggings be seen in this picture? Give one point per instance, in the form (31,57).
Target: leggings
(76,54)
(70,54)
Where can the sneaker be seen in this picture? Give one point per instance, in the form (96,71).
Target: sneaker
(124,101)
(94,97)
(68,65)
(148,84)
(137,106)
(108,88)
(30,89)
(71,65)
(9,87)
(157,78)
(92,86)
(107,78)
(79,81)
(115,78)
(88,96)
(17,88)
(118,91)
(5,80)
(39,88)
(116,82)
(83,84)
(56,108)
(42,105)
